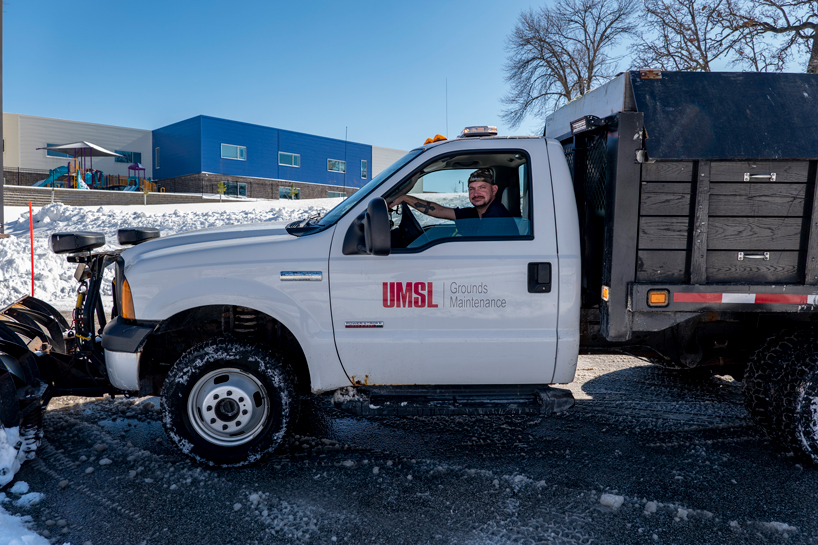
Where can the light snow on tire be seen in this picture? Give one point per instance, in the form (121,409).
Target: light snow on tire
(227,403)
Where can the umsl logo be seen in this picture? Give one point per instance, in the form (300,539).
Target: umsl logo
(408,295)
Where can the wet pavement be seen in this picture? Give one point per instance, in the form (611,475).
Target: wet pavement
(646,456)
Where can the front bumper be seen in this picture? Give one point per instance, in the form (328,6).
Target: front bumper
(123,342)
(122,336)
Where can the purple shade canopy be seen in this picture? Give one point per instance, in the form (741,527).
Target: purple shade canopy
(135,166)
(82,149)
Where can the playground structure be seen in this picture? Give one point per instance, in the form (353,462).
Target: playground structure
(75,175)
(67,177)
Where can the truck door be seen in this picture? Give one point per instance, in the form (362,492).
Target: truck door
(457,302)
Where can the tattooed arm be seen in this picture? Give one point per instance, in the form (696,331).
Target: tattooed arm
(429,208)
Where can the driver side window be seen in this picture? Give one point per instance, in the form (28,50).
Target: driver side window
(445,183)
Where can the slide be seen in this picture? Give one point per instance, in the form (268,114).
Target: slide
(89,179)
(133,184)
(53,174)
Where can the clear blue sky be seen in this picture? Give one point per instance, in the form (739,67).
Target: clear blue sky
(379,68)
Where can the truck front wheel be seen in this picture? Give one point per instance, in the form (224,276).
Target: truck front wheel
(226,403)
(781,391)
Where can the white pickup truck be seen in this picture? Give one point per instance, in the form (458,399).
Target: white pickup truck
(691,247)
(247,316)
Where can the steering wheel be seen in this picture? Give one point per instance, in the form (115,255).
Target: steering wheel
(408,230)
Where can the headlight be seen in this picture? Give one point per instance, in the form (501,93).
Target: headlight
(127,311)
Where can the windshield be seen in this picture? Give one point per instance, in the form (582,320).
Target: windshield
(335,214)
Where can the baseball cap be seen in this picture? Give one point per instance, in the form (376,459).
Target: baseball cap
(482,175)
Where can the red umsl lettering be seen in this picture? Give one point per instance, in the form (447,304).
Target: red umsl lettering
(408,295)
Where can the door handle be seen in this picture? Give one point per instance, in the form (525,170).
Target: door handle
(539,278)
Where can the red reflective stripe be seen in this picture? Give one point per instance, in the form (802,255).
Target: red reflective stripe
(780,299)
(680,297)
(760,298)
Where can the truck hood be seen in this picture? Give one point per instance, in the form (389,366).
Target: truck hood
(204,239)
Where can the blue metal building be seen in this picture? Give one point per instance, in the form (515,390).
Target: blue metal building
(238,150)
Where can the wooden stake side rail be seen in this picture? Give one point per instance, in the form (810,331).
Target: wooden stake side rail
(707,222)
(701,216)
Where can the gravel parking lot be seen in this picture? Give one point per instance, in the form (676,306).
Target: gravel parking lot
(645,456)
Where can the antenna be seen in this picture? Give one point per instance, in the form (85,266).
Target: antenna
(447,107)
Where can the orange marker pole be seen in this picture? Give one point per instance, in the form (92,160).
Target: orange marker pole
(31,232)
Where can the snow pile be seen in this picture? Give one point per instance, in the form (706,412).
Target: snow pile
(10,456)
(53,275)
(12,528)
(19,488)
(14,532)
(612,501)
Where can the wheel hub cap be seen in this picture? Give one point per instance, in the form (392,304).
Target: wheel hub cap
(228,407)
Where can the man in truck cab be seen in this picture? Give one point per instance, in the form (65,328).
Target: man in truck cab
(482,193)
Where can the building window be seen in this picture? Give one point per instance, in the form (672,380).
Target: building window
(364,168)
(289,159)
(128,156)
(156,159)
(334,165)
(230,151)
(235,189)
(49,153)
(289,193)
(332,194)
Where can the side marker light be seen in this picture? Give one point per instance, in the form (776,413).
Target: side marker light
(606,293)
(658,298)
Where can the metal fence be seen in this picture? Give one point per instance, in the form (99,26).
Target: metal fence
(24,176)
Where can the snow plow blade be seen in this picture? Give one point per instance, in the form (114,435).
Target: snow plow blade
(30,329)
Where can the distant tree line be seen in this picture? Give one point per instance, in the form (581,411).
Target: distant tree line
(561,51)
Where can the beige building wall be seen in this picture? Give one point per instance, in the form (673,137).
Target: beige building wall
(383,158)
(11,140)
(23,134)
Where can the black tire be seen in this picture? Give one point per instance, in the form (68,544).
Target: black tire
(781,391)
(763,371)
(215,385)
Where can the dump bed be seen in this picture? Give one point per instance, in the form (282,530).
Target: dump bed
(701,184)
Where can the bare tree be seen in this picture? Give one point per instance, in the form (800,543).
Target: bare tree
(558,53)
(795,21)
(688,34)
(759,55)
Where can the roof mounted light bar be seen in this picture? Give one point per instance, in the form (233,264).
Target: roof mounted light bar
(478,130)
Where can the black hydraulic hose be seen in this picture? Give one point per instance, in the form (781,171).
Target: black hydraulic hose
(101,313)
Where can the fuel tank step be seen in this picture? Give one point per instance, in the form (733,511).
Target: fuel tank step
(453,400)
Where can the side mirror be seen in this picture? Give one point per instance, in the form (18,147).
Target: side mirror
(376,228)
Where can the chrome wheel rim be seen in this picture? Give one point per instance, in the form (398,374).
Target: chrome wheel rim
(228,407)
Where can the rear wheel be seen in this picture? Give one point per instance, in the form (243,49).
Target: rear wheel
(781,391)
(227,403)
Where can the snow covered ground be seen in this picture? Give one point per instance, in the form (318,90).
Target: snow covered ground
(53,275)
